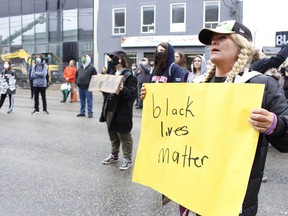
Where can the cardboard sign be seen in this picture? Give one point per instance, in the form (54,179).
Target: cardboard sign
(105,83)
(196,144)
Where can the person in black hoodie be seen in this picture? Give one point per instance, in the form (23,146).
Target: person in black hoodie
(118,112)
(83,77)
(9,85)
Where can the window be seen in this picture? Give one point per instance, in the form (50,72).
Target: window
(211,14)
(119,21)
(28,29)
(15,30)
(85,28)
(148,19)
(178,18)
(41,34)
(70,25)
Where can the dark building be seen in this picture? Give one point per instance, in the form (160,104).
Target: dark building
(62,27)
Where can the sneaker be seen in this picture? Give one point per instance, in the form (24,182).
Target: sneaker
(110,159)
(126,164)
(9,111)
(80,115)
(35,112)
(90,115)
(45,112)
(264,179)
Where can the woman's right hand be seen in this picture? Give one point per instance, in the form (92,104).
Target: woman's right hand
(143,91)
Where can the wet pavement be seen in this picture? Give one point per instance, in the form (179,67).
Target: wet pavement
(50,165)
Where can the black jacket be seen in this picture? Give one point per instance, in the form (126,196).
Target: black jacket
(83,76)
(122,105)
(274,101)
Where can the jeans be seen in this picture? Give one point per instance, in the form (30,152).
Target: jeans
(84,95)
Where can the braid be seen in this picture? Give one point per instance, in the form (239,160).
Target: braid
(210,73)
(245,55)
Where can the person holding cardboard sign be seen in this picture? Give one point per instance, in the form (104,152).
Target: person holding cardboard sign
(118,112)
(231,52)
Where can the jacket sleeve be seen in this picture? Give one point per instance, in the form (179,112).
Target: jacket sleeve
(265,64)
(276,103)
(129,91)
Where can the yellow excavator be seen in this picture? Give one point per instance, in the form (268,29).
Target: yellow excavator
(19,63)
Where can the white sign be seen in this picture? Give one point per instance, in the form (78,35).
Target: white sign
(153,41)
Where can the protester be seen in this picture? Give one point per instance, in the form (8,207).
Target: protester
(6,75)
(165,70)
(31,80)
(69,76)
(118,113)
(83,77)
(143,74)
(231,53)
(198,69)
(39,76)
(181,61)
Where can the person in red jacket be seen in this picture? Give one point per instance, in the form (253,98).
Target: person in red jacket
(69,76)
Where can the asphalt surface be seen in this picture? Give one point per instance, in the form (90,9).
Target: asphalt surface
(50,165)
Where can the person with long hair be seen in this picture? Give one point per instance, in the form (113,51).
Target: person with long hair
(198,69)
(231,52)
(181,61)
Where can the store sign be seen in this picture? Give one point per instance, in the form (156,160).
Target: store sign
(281,38)
(153,41)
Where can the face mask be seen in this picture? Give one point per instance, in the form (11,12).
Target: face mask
(160,55)
(83,60)
(133,67)
(6,65)
(115,61)
(38,60)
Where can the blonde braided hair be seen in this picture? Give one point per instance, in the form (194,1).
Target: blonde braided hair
(244,58)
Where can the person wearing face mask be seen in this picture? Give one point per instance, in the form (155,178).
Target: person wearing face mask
(83,77)
(165,70)
(143,74)
(39,76)
(8,77)
(118,113)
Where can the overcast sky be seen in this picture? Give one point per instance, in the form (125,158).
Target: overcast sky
(265,18)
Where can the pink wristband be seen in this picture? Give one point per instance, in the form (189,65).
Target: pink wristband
(268,131)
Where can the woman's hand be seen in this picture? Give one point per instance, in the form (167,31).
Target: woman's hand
(263,121)
(143,91)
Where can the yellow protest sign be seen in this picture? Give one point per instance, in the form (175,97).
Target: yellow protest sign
(196,144)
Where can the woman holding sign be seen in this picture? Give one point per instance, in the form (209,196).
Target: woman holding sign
(231,53)
(118,112)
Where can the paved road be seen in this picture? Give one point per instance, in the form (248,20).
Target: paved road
(50,165)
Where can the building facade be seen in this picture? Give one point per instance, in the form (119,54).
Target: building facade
(70,28)
(63,27)
(137,26)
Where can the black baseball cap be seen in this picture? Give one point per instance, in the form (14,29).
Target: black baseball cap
(117,53)
(226,27)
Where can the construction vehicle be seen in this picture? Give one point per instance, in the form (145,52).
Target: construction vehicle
(19,63)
